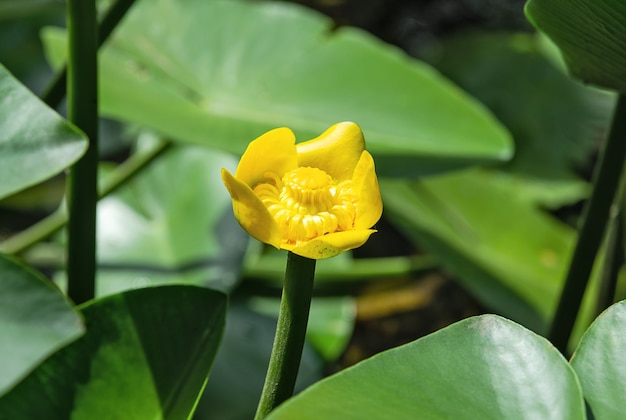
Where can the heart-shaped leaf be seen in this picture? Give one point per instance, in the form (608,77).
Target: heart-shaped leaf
(591,35)
(35,142)
(599,363)
(481,368)
(146,355)
(35,321)
(223,72)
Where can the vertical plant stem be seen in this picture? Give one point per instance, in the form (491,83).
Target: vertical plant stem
(613,261)
(54,93)
(82,109)
(595,216)
(614,251)
(290,331)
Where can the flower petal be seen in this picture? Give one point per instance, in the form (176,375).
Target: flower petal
(274,151)
(332,244)
(366,184)
(250,212)
(336,151)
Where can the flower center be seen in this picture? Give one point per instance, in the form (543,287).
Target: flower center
(307,203)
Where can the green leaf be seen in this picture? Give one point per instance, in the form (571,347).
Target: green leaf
(481,368)
(591,35)
(35,321)
(35,142)
(554,120)
(490,234)
(223,72)
(234,389)
(172,223)
(146,355)
(599,363)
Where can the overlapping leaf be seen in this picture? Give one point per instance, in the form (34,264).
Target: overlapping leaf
(480,368)
(146,354)
(599,363)
(35,321)
(35,142)
(222,72)
(591,35)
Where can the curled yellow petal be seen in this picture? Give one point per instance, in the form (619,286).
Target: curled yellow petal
(274,151)
(366,184)
(336,151)
(332,244)
(250,212)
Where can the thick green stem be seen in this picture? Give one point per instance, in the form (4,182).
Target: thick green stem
(82,110)
(55,91)
(290,331)
(613,261)
(614,251)
(51,224)
(594,222)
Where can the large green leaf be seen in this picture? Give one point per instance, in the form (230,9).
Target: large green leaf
(481,368)
(487,230)
(591,35)
(35,142)
(35,321)
(146,355)
(554,120)
(599,363)
(222,72)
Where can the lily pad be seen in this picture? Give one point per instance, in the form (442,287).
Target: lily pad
(146,354)
(35,142)
(221,73)
(591,35)
(599,363)
(35,321)
(484,367)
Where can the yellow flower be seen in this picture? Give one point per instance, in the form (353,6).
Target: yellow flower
(317,199)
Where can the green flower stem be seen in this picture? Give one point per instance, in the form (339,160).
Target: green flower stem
(82,110)
(606,181)
(55,92)
(53,223)
(613,261)
(290,332)
(614,251)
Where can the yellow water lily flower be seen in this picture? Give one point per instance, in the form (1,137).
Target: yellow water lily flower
(316,199)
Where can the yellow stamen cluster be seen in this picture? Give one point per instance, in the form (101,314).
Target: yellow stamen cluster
(307,203)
